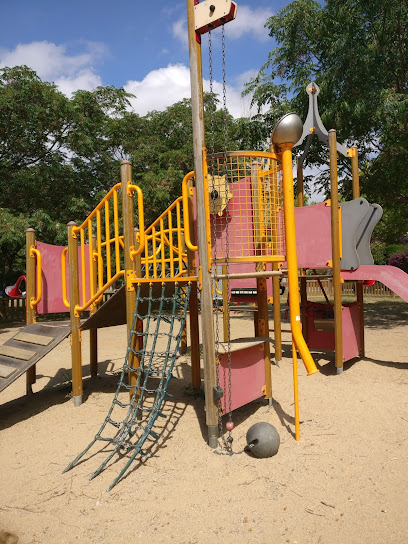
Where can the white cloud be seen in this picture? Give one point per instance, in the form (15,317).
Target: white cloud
(163,87)
(53,63)
(248,21)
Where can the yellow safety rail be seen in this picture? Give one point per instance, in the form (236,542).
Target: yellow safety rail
(35,253)
(101,232)
(164,244)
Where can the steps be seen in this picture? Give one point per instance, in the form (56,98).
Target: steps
(27,347)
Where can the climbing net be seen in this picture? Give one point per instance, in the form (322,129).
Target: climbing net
(154,341)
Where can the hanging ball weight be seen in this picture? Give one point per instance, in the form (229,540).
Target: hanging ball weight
(263,440)
(229,425)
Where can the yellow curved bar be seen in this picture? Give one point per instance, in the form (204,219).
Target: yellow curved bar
(291,256)
(34,252)
(187,236)
(98,295)
(64,277)
(139,192)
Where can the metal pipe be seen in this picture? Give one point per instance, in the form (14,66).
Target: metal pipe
(290,238)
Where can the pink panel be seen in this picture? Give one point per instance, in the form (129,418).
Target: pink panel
(394,278)
(324,340)
(247,376)
(313,236)
(51,300)
(351,331)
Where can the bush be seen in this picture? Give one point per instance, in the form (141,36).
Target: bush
(400,260)
(394,249)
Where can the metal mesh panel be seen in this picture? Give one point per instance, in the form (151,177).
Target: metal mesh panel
(246,207)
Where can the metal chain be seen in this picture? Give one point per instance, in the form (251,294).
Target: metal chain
(225,114)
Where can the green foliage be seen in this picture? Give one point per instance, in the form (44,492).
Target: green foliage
(400,260)
(356,51)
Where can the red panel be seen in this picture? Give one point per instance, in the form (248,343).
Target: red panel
(313,236)
(51,299)
(350,317)
(247,376)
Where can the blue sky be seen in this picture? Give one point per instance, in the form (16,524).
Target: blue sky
(137,44)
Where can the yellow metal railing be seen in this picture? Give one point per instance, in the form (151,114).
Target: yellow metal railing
(164,244)
(36,254)
(101,244)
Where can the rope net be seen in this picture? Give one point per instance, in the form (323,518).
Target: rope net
(154,341)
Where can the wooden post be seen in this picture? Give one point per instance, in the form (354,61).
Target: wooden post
(76,357)
(359,285)
(263,331)
(335,237)
(130,266)
(225,306)
(197,105)
(303,280)
(93,333)
(30,293)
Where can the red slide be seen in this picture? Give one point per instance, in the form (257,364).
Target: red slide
(391,276)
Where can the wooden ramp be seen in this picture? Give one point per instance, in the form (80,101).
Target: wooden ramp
(27,347)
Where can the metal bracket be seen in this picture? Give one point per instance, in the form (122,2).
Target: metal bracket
(218,392)
(211,14)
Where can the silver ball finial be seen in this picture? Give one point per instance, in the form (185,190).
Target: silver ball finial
(288,130)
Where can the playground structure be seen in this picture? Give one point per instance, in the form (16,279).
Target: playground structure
(234,227)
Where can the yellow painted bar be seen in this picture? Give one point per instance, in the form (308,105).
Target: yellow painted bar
(171,244)
(98,249)
(290,238)
(108,242)
(296,391)
(92,285)
(82,242)
(35,300)
(163,261)
(64,276)
(185,197)
(116,226)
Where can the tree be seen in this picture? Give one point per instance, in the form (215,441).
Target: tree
(357,53)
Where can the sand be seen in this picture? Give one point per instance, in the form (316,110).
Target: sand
(346,481)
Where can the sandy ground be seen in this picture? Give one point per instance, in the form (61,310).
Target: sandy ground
(346,481)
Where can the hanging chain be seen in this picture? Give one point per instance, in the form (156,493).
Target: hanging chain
(225,126)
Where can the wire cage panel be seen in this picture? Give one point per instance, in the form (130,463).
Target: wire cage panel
(245,198)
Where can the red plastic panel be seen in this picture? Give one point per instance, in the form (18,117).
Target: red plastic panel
(247,376)
(313,236)
(350,317)
(51,299)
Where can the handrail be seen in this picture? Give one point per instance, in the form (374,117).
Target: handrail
(187,235)
(101,205)
(64,277)
(134,188)
(35,301)
(99,293)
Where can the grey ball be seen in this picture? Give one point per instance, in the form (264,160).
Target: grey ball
(263,440)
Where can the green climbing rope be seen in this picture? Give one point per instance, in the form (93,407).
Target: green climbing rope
(132,418)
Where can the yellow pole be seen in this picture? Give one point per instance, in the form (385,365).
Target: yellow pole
(128,242)
(296,392)
(93,333)
(335,236)
(30,293)
(291,257)
(76,357)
